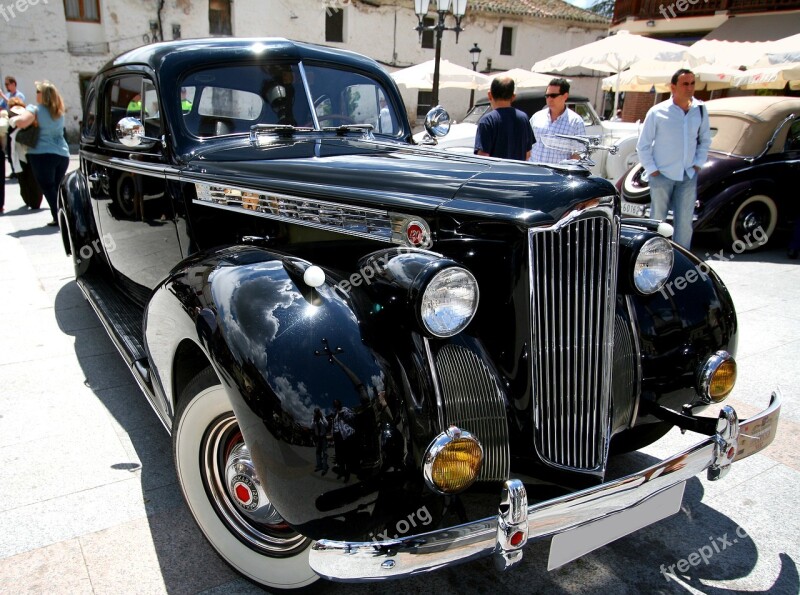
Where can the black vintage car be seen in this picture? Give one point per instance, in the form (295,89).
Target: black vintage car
(746,191)
(262,239)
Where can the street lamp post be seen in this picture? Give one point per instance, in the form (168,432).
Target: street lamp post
(475,57)
(458,8)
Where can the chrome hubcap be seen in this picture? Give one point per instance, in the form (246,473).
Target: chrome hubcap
(238,495)
(245,488)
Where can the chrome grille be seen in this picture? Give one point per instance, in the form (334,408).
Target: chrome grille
(573,279)
(473,402)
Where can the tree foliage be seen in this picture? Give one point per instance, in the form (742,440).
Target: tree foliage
(604,8)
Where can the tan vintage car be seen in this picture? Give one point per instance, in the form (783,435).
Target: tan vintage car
(748,185)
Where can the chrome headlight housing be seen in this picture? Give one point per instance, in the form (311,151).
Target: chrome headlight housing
(448,301)
(653,265)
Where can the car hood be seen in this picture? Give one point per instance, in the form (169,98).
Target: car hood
(397,177)
(460,135)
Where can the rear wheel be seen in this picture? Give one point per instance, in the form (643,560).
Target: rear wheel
(226,497)
(752,223)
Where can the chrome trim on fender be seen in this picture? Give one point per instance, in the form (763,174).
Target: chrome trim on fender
(365,222)
(634,322)
(397,558)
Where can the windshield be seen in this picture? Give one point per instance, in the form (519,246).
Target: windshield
(475,113)
(226,100)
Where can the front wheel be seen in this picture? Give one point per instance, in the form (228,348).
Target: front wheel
(226,497)
(752,223)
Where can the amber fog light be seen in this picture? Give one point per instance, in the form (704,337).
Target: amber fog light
(717,377)
(452,461)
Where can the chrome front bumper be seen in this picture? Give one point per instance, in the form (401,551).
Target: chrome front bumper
(504,535)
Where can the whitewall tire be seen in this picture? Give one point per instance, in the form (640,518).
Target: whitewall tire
(205,433)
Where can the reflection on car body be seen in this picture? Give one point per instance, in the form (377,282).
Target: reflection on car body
(484,324)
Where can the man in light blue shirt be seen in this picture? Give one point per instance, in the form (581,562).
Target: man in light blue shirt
(672,147)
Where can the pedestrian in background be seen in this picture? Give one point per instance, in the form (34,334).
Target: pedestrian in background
(504,131)
(3,135)
(49,159)
(554,118)
(320,426)
(28,188)
(11,87)
(672,147)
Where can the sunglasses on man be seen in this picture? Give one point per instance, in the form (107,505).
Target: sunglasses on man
(553,95)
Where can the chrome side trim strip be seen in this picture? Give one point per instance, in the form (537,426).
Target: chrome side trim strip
(397,558)
(134,167)
(366,222)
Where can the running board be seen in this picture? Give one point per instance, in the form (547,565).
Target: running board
(123,321)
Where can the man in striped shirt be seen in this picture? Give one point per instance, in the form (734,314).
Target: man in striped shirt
(554,118)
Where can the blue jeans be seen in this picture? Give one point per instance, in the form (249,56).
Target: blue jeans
(666,194)
(49,170)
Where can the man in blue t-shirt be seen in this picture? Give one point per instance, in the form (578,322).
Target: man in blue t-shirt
(505,131)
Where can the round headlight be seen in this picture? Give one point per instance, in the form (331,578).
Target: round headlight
(452,461)
(717,377)
(449,302)
(653,265)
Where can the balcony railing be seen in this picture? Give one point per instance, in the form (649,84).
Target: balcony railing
(654,9)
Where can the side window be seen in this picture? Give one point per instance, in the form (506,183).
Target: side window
(90,116)
(793,137)
(131,96)
(152,113)
(586,113)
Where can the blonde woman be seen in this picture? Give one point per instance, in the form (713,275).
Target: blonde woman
(49,159)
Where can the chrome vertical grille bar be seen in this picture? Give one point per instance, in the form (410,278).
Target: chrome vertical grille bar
(573,278)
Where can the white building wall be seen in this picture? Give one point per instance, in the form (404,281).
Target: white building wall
(40,44)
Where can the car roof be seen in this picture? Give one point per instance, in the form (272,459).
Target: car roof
(744,125)
(528,94)
(178,55)
(756,107)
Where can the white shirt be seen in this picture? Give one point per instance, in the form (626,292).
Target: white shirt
(567,123)
(385,121)
(672,141)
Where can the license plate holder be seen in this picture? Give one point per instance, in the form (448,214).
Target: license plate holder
(577,542)
(629,208)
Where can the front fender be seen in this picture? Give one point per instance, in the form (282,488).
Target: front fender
(78,229)
(282,348)
(680,326)
(721,202)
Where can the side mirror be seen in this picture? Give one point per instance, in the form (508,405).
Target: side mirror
(130,132)
(437,122)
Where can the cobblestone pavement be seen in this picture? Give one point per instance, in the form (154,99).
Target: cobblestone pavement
(89,501)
